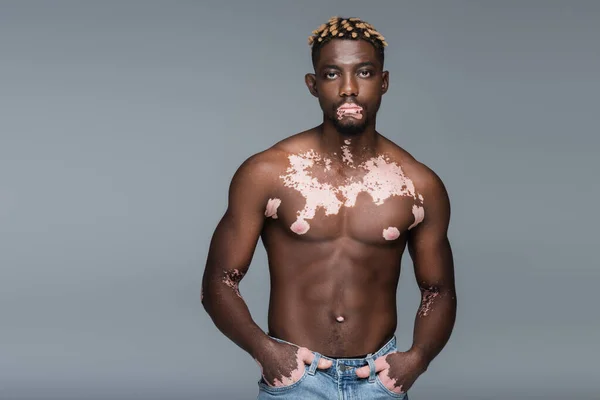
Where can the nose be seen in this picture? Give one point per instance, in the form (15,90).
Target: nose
(349,86)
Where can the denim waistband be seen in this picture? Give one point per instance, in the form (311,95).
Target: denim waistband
(346,366)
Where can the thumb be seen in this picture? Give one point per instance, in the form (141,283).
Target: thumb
(308,357)
(363,372)
(380,365)
(324,363)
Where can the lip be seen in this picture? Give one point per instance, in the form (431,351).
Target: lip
(349,106)
(350,110)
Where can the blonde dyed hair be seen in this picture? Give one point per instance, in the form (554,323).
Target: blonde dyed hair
(346,28)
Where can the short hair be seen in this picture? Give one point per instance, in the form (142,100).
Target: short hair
(345,28)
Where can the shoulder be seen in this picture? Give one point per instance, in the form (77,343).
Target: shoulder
(426,181)
(264,168)
(259,169)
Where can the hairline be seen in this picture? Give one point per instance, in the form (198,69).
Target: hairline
(316,51)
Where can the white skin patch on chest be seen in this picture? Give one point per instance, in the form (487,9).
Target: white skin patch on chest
(272,206)
(382,179)
(391,233)
(419,213)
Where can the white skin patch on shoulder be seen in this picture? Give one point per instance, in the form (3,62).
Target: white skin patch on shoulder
(382,179)
(272,206)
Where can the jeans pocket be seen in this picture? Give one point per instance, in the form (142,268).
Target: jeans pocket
(263,385)
(388,391)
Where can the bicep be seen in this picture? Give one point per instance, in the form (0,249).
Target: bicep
(236,235)
(428,242)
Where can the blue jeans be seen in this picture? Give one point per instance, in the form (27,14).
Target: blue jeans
(337,382)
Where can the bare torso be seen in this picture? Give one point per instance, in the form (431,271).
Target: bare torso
(335,231)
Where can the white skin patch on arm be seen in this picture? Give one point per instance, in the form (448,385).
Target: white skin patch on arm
(427,298)
(382,180)
(232,279)
(272,206)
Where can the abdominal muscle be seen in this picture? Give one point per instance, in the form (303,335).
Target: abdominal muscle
(337,310)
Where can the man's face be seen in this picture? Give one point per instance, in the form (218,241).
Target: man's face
(348,72)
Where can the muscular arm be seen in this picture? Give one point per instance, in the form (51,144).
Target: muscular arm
(434,270)
(231,250)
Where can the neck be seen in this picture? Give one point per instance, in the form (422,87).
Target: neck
(349,149)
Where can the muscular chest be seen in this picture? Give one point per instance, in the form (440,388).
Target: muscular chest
(371,202)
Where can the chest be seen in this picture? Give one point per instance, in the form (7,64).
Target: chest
(374,202)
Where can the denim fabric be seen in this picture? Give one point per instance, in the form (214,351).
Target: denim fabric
(338,382)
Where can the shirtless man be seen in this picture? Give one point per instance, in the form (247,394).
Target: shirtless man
(335,207)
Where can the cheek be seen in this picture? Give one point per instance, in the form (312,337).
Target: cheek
(376,86)
(325,101)
(328,93)
(369,96)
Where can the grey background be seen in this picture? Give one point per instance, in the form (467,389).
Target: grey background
(123,122)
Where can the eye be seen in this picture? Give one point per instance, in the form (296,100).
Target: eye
(328,75)
(365,73)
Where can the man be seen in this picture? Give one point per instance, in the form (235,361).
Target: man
(335,207)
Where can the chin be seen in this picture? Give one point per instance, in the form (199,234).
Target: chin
(349,129)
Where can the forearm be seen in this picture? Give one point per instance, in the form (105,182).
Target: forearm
(434,322)
(230,314)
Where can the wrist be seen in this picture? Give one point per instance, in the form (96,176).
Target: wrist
(263,346)
(421,357)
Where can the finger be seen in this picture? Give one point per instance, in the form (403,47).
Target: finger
(308,358)
(324,363)
(305,355)
(380,365)
(390,383)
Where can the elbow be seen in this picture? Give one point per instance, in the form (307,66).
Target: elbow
(439,292)
(210,296)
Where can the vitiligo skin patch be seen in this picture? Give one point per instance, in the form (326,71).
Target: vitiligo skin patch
(419,213)
(427,298)
(382,179)
(349,109)
(391,233)
(272,206)
(300,227)
(232,279)
(346,154)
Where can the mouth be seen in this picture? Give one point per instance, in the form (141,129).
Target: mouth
(349,110)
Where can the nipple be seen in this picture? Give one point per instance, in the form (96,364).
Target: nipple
(340,319)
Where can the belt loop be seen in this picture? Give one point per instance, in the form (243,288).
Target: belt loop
(372,372)
(313,366)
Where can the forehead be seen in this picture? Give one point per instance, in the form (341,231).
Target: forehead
(347,53)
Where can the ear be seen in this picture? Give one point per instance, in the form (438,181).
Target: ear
(311,84)
(385,81)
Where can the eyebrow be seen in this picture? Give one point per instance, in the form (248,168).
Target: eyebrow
(360,65)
